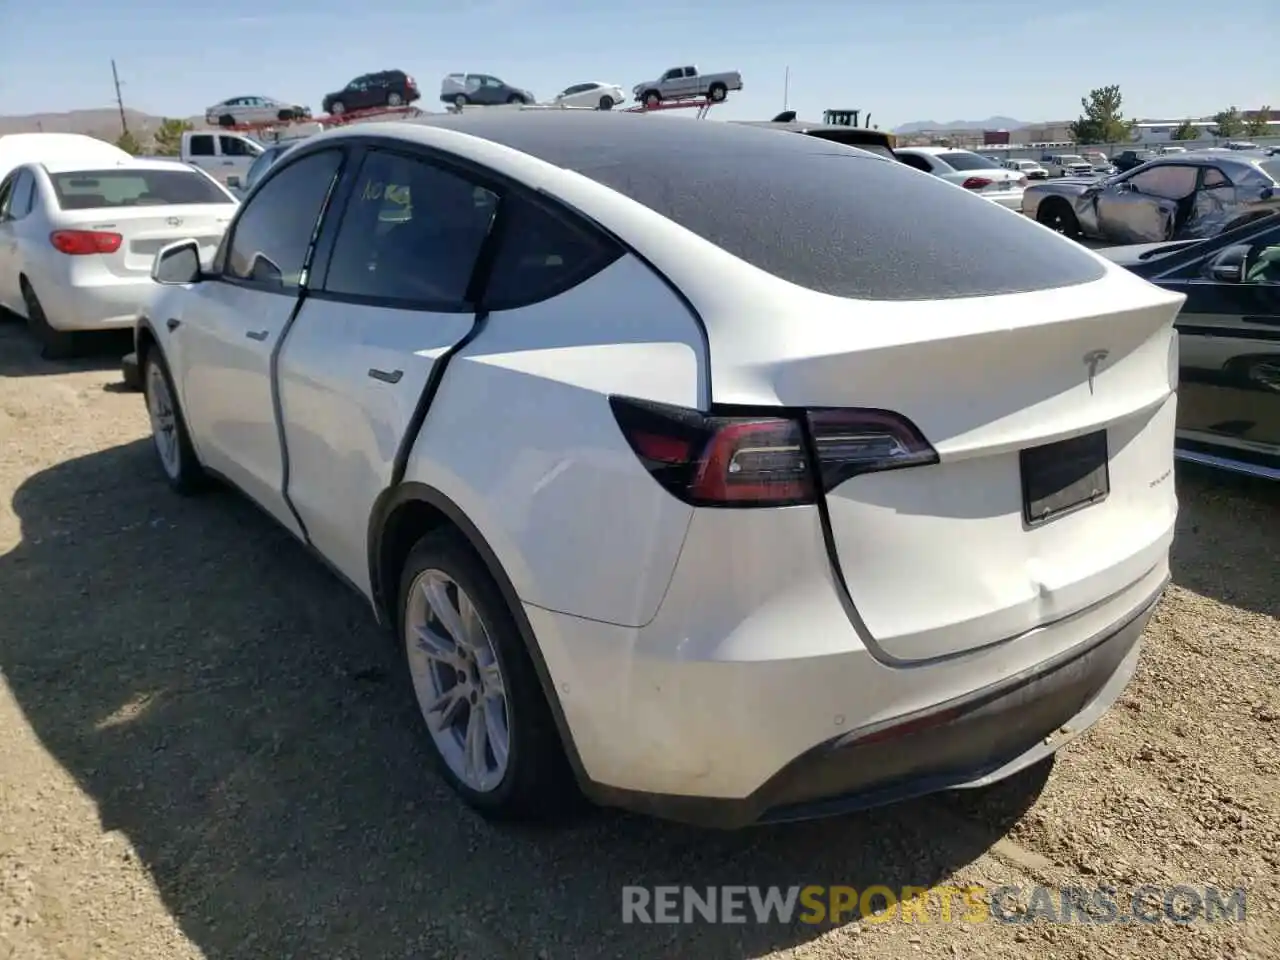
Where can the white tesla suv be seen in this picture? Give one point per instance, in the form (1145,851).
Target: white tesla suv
(727,505)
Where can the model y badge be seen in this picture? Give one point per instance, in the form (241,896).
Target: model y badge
(1093,360)
(174,221)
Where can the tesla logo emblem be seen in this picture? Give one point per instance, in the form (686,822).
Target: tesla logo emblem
(174,221)
(1093,360)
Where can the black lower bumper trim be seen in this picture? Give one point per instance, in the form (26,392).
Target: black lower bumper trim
(988,736)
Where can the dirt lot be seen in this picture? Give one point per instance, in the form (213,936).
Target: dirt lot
(202,753)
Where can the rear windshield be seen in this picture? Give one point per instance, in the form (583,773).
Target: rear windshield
(92,189)
(817,214)
(861,141)
(963,160)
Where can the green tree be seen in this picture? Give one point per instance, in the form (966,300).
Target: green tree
(1186,131)
(1227,123)
(168,137)
(128,143)
(1256,126)
(1102,121)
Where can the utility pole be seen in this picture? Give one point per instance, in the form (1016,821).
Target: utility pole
(124,124)
(786,89)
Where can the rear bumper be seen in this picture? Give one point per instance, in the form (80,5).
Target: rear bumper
(972,741)
(111,304)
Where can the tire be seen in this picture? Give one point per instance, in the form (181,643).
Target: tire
(338,108)
(606,102)
(172,442)
(516,98)
(535,782)
(1057,216)
(460,101)
(54,344)
(226,120)
(394,99)
(717,92)
(652,98)
(284,116)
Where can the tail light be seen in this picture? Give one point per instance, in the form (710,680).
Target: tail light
(766,460)
(79,243)
(976,183)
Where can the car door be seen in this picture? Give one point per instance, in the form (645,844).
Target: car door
(9,298)
(1148,206)
(235,320)
(669,85)
(359,93)
(1214,205)
(1229,346)
(392,299)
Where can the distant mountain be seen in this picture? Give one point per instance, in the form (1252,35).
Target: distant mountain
(104,123)
(991,123)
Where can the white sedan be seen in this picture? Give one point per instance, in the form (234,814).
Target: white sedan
(713,522)
(974,172)
(77,244)
(1026,168)
(238,110)
(602,96)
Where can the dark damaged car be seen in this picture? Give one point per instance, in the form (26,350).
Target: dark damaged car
(1179,197)
(1228,340)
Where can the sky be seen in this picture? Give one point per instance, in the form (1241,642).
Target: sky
(903,61)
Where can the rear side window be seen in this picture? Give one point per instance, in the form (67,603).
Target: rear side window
(89,190)
(23,195)
(543,254)
(411,233)
(201,145)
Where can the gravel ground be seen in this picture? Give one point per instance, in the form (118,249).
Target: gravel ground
(203,754)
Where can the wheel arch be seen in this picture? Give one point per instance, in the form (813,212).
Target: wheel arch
(402,515)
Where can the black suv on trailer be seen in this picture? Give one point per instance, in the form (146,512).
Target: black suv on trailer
(387,88)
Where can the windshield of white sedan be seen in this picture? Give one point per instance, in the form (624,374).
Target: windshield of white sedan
(91,190)
(963,160)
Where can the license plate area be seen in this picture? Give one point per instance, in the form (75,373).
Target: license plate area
(1059,478)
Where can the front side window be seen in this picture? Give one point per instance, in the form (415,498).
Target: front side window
(1168,182)
(93,189)
(411,233)
(276,226)
(235,147)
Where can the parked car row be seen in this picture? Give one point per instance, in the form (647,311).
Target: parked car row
(395,88)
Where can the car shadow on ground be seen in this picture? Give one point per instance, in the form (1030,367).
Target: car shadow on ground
(1226,545)
(235,713)
(20,355)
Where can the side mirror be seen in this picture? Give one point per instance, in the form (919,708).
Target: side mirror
(1228,265)
(178,263)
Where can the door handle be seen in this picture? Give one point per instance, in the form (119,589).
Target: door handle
(257,334)
(173,324)
(386,376)
(228,163)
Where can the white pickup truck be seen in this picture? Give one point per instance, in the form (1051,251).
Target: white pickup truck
(685,83)
(224,156)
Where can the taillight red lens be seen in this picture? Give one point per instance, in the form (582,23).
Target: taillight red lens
(765,460)
(976,183)
(79,243)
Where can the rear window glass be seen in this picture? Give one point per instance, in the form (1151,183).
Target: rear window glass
(814,213)
(963,160)
(91,189)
